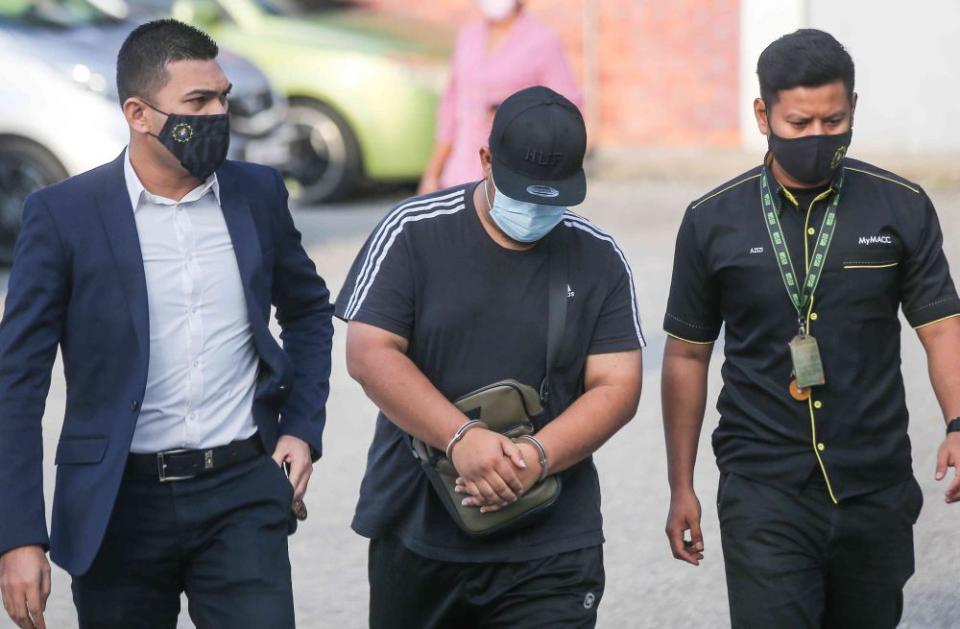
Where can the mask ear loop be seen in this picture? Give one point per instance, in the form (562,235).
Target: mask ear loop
(486,191)
(162,113)
(148,104)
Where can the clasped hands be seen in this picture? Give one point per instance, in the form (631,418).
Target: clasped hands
(493,470)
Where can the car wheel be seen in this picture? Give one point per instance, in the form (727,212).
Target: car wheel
(325,159)
(24,167)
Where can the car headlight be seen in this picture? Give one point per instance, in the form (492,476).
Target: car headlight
(257,113)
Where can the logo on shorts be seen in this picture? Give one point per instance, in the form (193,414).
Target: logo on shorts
(547,192)
(754,250)
(589,600)
(570,293)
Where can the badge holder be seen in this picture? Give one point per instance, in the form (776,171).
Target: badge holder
(807,365)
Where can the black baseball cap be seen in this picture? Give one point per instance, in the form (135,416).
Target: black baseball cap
(538,142)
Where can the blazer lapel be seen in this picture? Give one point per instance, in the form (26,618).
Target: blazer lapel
(121,228)
(243,231)
(246,246)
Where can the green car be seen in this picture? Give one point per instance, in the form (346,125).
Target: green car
(363,85)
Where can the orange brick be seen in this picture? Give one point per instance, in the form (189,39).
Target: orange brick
(666,72)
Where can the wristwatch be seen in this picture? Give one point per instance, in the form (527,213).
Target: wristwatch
(953,425)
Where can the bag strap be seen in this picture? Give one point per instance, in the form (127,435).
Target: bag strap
(556,307)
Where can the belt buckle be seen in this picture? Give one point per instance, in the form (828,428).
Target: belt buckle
(162,466)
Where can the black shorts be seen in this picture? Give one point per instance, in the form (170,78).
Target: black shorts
(409,591)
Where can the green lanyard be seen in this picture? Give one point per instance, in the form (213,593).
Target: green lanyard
(799,296)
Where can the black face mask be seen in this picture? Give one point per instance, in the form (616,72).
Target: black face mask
(199,142)
(810,159)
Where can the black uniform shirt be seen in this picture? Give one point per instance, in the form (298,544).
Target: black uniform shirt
(886,254)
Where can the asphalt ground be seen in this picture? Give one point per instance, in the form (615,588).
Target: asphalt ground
(646,587)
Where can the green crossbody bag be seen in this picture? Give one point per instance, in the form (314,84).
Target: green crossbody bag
(507,407)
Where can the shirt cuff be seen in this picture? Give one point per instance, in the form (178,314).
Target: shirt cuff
(378,320)
(612,346)
(937,310)
(686,330)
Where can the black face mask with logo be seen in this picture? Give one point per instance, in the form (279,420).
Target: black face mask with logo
(199,142)
(810,159)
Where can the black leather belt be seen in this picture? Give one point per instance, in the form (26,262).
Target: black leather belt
(174,465)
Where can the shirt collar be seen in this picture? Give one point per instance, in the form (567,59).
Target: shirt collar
(137,192)
(784,194)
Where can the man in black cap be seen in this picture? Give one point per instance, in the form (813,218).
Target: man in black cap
(449,294)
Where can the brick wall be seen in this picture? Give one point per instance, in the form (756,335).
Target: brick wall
(659,72)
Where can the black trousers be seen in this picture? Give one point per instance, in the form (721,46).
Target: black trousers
(408,591)
(803,562)
(220,538)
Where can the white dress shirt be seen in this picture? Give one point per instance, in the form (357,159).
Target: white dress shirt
(202,371)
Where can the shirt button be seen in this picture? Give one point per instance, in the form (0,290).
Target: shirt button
(821,447)
(813,316)
(135,405)
(818,404)
(196,363)
(811,231)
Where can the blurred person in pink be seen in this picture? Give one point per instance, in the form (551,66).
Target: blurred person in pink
(501,53)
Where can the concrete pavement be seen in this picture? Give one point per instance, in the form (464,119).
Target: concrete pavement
(646,587)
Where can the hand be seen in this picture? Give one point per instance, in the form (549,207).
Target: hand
(490,461)
(528,477)
(949,456)
(429,183)
(685,516)
(25,585)
(296,454)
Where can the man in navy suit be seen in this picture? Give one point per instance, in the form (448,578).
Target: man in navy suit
(155,275)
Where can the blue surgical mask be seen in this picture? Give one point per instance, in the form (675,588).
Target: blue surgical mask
(521,221)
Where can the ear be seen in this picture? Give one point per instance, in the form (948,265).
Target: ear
(853,107)
(136,114)
(486,161)
(760,113)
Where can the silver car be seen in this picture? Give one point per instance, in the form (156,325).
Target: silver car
(59,109)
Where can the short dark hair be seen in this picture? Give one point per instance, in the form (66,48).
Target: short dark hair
(805,58)
(144,55)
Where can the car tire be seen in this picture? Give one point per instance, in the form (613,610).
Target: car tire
(325,159)
(24,167)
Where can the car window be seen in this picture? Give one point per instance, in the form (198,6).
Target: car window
(150,8)
(65,13)
(297,7)
(146,10)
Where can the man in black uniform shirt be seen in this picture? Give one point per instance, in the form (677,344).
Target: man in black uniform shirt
(806,261)
(449,295)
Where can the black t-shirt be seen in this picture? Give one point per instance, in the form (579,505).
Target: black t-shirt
(475,313)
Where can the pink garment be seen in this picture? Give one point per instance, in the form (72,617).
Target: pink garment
(480,79)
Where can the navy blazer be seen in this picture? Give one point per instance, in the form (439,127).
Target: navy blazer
(78,282)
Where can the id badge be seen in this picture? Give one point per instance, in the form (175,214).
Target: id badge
(807,365)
